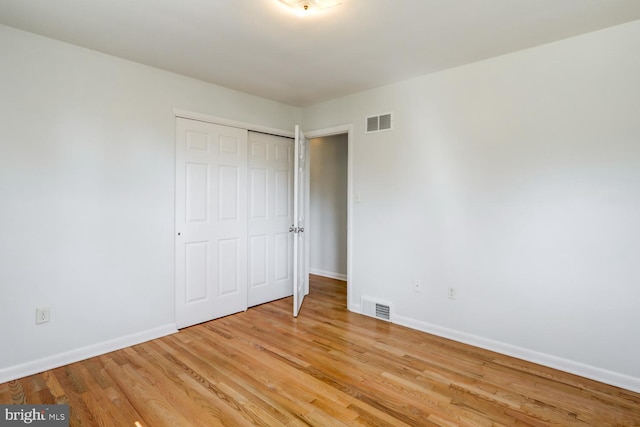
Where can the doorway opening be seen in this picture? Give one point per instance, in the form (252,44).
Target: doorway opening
(330,204)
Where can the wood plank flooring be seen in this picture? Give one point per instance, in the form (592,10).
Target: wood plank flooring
(329,367)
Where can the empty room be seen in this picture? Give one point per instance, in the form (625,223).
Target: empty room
(320,212)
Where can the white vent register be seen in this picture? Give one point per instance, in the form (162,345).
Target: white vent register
(379,123)
(378,309)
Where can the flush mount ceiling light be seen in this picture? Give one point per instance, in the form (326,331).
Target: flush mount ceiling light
(307,7)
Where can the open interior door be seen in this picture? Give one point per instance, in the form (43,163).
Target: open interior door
(300,185)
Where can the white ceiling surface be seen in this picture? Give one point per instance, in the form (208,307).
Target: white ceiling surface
(260,47)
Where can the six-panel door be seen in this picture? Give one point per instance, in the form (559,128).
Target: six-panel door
(270,216)
(211,221)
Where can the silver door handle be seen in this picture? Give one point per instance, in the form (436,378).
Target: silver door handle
(292,229)
(301,230)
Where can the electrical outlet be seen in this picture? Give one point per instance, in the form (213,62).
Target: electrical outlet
(43,315)
(417,285)
(453,293)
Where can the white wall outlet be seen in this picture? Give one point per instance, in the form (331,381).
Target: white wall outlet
(452,293)
(43,315)
(417,285)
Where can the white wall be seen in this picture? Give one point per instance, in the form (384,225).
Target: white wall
(87,146)
(515,180)
(328,206)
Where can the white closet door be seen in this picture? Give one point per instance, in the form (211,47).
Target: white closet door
(211,221)
(270,190)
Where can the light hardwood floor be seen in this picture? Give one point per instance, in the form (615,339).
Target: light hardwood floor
(328,367)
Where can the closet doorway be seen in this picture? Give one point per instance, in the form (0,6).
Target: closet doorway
(234,210)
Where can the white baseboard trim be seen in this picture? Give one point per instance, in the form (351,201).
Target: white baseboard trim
(570,366)
(330,275)
(58,360)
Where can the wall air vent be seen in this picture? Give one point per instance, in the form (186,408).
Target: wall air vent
(379,310)
(379,123)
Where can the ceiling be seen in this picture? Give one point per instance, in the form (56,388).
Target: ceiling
(260,47)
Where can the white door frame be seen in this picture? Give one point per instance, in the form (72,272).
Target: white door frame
(340,130)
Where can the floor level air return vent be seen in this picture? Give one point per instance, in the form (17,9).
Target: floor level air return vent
(378,309)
